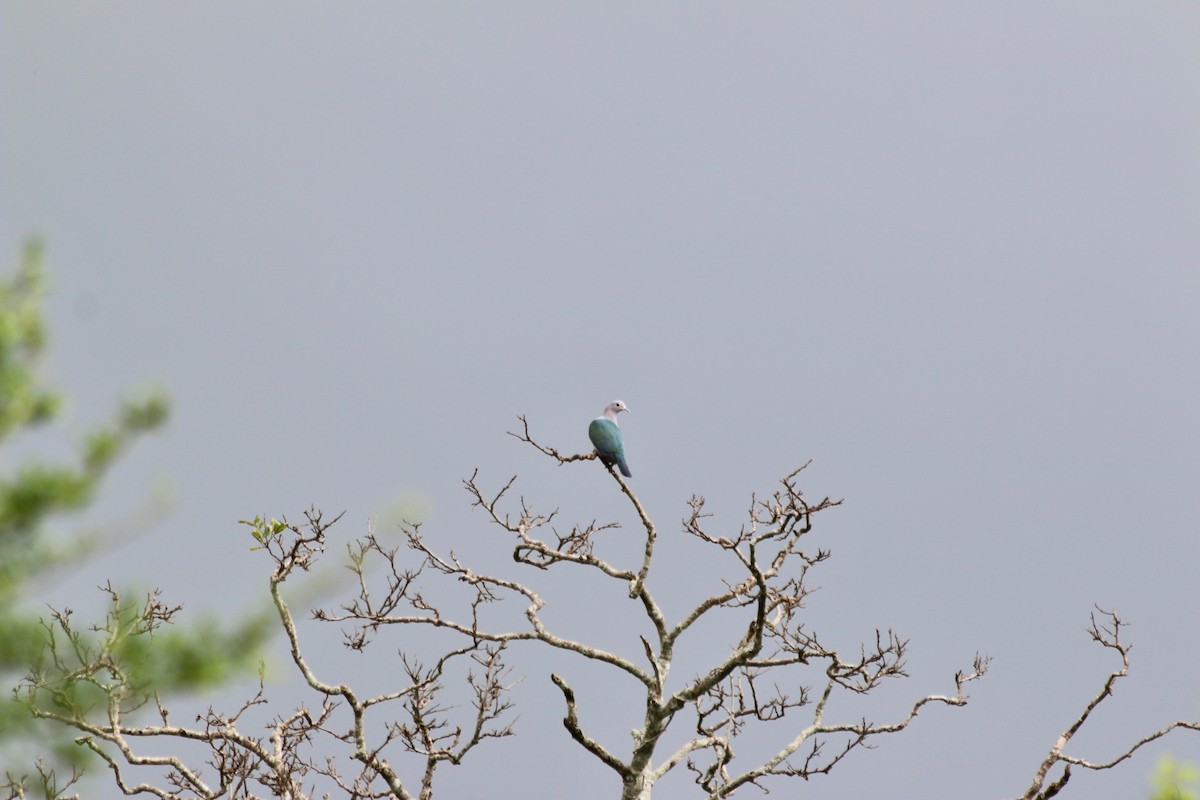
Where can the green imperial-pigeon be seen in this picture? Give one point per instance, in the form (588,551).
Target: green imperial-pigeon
(606,436)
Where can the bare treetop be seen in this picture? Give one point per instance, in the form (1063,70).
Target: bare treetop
(422,721)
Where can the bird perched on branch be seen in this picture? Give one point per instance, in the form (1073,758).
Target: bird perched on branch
(607,437)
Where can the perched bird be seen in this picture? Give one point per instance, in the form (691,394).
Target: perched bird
(606,436)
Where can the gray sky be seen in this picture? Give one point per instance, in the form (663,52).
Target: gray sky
(948,251)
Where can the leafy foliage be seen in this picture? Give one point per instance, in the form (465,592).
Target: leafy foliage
(1175,780)
(33,496)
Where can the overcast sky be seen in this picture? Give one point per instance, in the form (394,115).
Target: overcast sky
(948,251)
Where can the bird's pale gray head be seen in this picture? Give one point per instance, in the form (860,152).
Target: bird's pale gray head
(614,408)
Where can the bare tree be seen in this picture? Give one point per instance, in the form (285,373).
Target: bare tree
(734,691)
(738,686)
(710,713)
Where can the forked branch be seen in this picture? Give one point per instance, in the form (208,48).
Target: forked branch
(1106,631)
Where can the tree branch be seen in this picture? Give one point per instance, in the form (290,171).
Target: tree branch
(1107,633)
